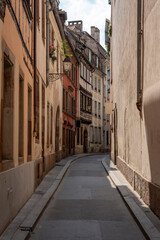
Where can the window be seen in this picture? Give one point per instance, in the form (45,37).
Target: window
(81,69)
(21,116)
(95,84)
(99,135)
(69,104)
(95,135)
(88,76)
(107,138)
(63,99)
(91,134)
(95,108)
(72,107)
(84,102)
(84,73)
(7,110)
(90,104)
(81,101)
(104,91)
(87,104)
(99,85)
(97,62)
(66,101)
(99,110)
(37,107)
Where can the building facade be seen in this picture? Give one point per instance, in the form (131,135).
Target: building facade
(90,94)
(134,77)
(84,95)
(69,102)
(16,108)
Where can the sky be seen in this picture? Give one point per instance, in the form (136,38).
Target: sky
(91,12)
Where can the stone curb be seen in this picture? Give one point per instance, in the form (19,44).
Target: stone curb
(22,231)
(147,226)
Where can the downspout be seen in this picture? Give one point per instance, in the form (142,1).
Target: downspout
(103,111)
(139,55)
(47,43)
(35,64)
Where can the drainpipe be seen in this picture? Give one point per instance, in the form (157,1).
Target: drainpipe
(102,92)
(139,55)
(47,42)
(35,62)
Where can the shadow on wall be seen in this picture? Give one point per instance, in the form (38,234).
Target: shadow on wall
(152,127)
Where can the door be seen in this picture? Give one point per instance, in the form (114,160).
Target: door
(85,146)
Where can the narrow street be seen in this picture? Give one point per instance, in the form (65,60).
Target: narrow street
(87,206)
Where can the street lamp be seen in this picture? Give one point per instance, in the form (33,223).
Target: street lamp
(67,65)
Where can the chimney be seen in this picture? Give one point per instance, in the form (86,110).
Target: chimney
(63,16)
(78,24)
(95,33)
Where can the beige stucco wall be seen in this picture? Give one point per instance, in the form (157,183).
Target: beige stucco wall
(138,137)
(15,191)
(14,188)
(53,92)
(55,89)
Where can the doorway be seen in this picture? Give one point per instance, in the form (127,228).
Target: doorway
(57,134)
(85,146)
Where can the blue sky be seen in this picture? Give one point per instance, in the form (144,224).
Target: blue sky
(91,12)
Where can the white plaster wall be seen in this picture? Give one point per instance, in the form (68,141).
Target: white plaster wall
(16,186)
(124,76)
(138,137)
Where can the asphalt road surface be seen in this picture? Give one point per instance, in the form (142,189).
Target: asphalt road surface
(87,206)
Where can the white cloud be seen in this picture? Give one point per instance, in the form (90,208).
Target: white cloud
(92,13)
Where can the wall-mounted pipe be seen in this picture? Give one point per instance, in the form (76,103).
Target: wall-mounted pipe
(139,55)
(35,60)
(47,42)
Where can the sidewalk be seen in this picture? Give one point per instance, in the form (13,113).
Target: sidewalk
(24,222)
(147,220)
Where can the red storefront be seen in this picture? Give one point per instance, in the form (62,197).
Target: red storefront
(69,105)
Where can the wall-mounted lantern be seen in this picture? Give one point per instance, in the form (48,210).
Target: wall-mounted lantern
(67,65)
